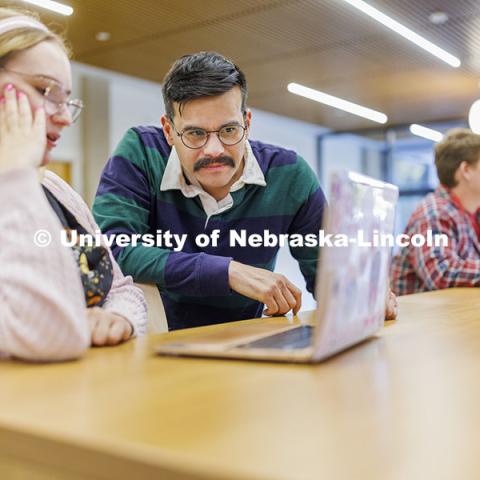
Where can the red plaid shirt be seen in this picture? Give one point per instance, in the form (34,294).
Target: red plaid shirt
(417,269)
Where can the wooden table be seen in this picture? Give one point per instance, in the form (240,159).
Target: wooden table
(405,405)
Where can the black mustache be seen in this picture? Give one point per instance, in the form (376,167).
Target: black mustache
(205,162)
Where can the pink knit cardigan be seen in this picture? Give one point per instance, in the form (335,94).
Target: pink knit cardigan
(42,306)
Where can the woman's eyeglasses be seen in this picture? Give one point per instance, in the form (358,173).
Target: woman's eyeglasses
(56,98)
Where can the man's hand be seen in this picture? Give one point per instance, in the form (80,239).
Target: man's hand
(274,290)
(108,328)
(391,308)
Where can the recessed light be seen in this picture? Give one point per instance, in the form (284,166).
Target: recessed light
(438,17)
(336,102)
(103,36)
(53,6)
(425,132)
(405,32)
(474,117)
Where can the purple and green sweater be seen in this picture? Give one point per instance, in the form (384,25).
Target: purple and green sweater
(193,283)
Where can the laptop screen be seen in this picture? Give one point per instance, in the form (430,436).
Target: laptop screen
(352,278)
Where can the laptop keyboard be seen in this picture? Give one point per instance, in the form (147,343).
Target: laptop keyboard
(300,337)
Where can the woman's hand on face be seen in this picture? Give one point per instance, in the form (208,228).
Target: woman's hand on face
(23,133)
(108,328)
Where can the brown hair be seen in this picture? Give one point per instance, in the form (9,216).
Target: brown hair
(19,39)
(459,145)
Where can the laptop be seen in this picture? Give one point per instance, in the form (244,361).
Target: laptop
(351,287)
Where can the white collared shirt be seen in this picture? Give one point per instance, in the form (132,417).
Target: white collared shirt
(174,179)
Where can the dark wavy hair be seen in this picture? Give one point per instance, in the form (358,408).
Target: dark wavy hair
(203,74)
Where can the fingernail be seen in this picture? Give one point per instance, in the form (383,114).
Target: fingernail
(20,94)
(9,87)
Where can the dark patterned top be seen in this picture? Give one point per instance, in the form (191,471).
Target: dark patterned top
(95,266)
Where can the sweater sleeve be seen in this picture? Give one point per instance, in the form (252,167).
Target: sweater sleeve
(124,204)
(307,220)
(42,307)
(124,297)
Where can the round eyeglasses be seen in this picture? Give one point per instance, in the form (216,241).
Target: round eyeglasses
(55,96)
(196,138)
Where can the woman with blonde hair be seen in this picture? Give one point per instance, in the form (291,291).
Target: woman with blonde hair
(55,300)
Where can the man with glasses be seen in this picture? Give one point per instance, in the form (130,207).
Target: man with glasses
(201,173)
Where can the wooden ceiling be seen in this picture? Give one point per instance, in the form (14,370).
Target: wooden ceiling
(324,44)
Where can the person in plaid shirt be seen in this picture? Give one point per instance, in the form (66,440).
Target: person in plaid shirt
(452,209)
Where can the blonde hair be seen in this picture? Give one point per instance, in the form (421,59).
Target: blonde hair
(459,145)
(20,39)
